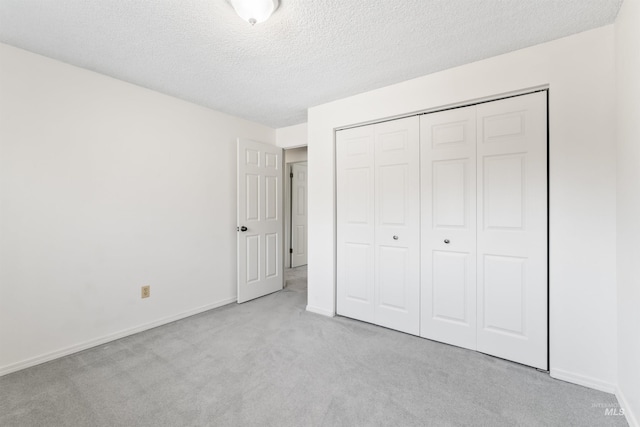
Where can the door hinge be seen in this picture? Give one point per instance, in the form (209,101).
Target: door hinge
(290,250)
(291,175)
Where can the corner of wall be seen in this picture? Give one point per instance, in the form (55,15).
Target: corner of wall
(321,311)
(632,420)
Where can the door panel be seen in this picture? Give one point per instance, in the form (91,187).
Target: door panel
(392,283)
(259,209)
(451,193)
(355,223)
(397,231)
(271,255)
(252,198)
(503,126)
(357,182)
(504,192)
(451,287)
(504,294)
(512,229)
(272,161)
(358,260)
(252,242)
(299,245)
(448,188)
(392,181)
(272,197)
(299,215)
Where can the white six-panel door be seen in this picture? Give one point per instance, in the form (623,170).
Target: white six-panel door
(299,214)
(260,220)
(378,263)
(512,229)
(448,164)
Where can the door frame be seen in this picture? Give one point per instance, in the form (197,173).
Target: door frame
(490,98)
(288,199)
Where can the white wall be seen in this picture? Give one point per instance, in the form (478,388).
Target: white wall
(628,111)
(295,155)
(105,187)
(292,136)
(580,73)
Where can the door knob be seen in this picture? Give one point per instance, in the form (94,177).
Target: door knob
(447,241)
(395,237)
(243,228)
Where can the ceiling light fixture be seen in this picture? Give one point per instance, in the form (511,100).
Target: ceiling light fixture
(254,11)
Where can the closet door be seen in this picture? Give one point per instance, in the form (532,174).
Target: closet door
(448,188)
(512,229)
(355,222)
(397,230)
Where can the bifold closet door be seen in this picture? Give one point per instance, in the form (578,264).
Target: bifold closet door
(512,229)
(448,198)
(378,224)
(484,228)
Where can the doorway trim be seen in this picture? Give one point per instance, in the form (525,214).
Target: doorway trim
(288,220)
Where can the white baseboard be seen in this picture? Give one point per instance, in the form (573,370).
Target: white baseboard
(321,311)
(583,380)
(632,420)
(4,370)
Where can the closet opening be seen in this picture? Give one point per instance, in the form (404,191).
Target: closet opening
(442,226)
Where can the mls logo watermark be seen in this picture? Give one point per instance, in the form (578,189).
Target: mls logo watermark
(610,409)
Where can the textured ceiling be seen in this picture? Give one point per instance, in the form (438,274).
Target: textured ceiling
(309,52)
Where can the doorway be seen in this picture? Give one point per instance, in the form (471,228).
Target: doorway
(295,247)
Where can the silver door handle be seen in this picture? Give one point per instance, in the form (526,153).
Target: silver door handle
(447,241)
(395,237)
(243,228)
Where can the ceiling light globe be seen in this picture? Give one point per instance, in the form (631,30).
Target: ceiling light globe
(254,11)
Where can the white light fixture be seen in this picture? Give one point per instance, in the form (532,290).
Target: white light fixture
(254,11)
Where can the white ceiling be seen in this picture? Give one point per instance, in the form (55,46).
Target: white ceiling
(309,52)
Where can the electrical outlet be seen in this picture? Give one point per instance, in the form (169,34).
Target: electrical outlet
(145,291)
